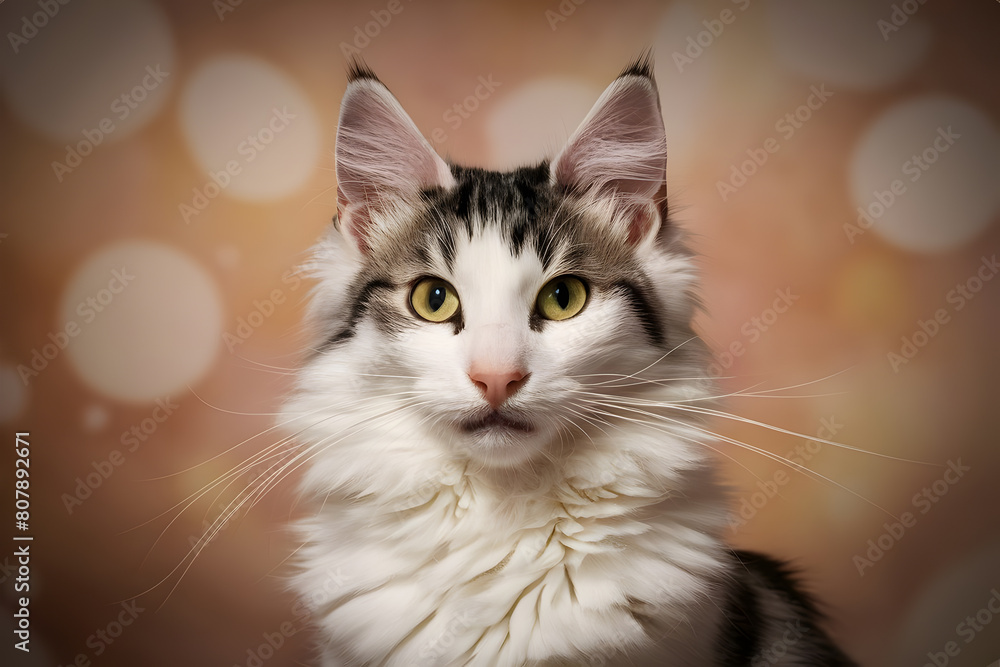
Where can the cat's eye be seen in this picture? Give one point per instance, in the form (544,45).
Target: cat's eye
(562,298)
(434,300)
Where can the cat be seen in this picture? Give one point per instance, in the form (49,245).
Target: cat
(503,414)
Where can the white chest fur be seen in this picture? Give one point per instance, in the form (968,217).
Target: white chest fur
(462,571)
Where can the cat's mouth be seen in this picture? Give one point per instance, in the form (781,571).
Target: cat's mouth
(495,421)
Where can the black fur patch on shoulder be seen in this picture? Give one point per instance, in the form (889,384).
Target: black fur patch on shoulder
(740,634)
(743,637)
(779,577)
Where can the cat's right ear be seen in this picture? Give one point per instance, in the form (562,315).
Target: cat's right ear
(619,153)
(382,159)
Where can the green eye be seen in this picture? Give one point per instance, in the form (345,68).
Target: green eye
(562,298)
(434,300)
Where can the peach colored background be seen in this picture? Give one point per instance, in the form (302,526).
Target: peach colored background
(162,337)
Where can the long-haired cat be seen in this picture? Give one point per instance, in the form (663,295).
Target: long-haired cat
(503,412)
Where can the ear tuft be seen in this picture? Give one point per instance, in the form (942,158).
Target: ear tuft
(641,66)
(382,159)
(358,69)
(620,150)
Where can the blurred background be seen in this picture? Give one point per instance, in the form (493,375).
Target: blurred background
(166,166)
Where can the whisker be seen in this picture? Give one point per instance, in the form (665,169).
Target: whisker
(212,532)
(726,415)
(775,457)
(233,474)
(667,354)
(682,437)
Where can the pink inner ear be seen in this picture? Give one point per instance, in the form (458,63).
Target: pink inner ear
(620,147)
(381,155)
(641,224)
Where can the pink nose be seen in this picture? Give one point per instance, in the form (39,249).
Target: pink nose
(497,385)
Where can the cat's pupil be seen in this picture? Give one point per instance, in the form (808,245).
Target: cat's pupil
(436,298)
(562,295)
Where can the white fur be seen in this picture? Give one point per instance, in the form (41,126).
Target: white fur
(590,540)
(413,517)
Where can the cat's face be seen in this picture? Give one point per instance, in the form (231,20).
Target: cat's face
(498,310)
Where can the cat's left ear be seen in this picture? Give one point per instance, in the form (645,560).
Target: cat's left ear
(619,153)
(382,159)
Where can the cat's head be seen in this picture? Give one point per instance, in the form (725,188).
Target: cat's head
(498,315)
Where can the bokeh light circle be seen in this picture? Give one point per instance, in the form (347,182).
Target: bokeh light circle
(13,394)
(533,122)
(843,43)
(94,418)
(926,173)
(149,320)
(939,614)
(110,62)
(252,126)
